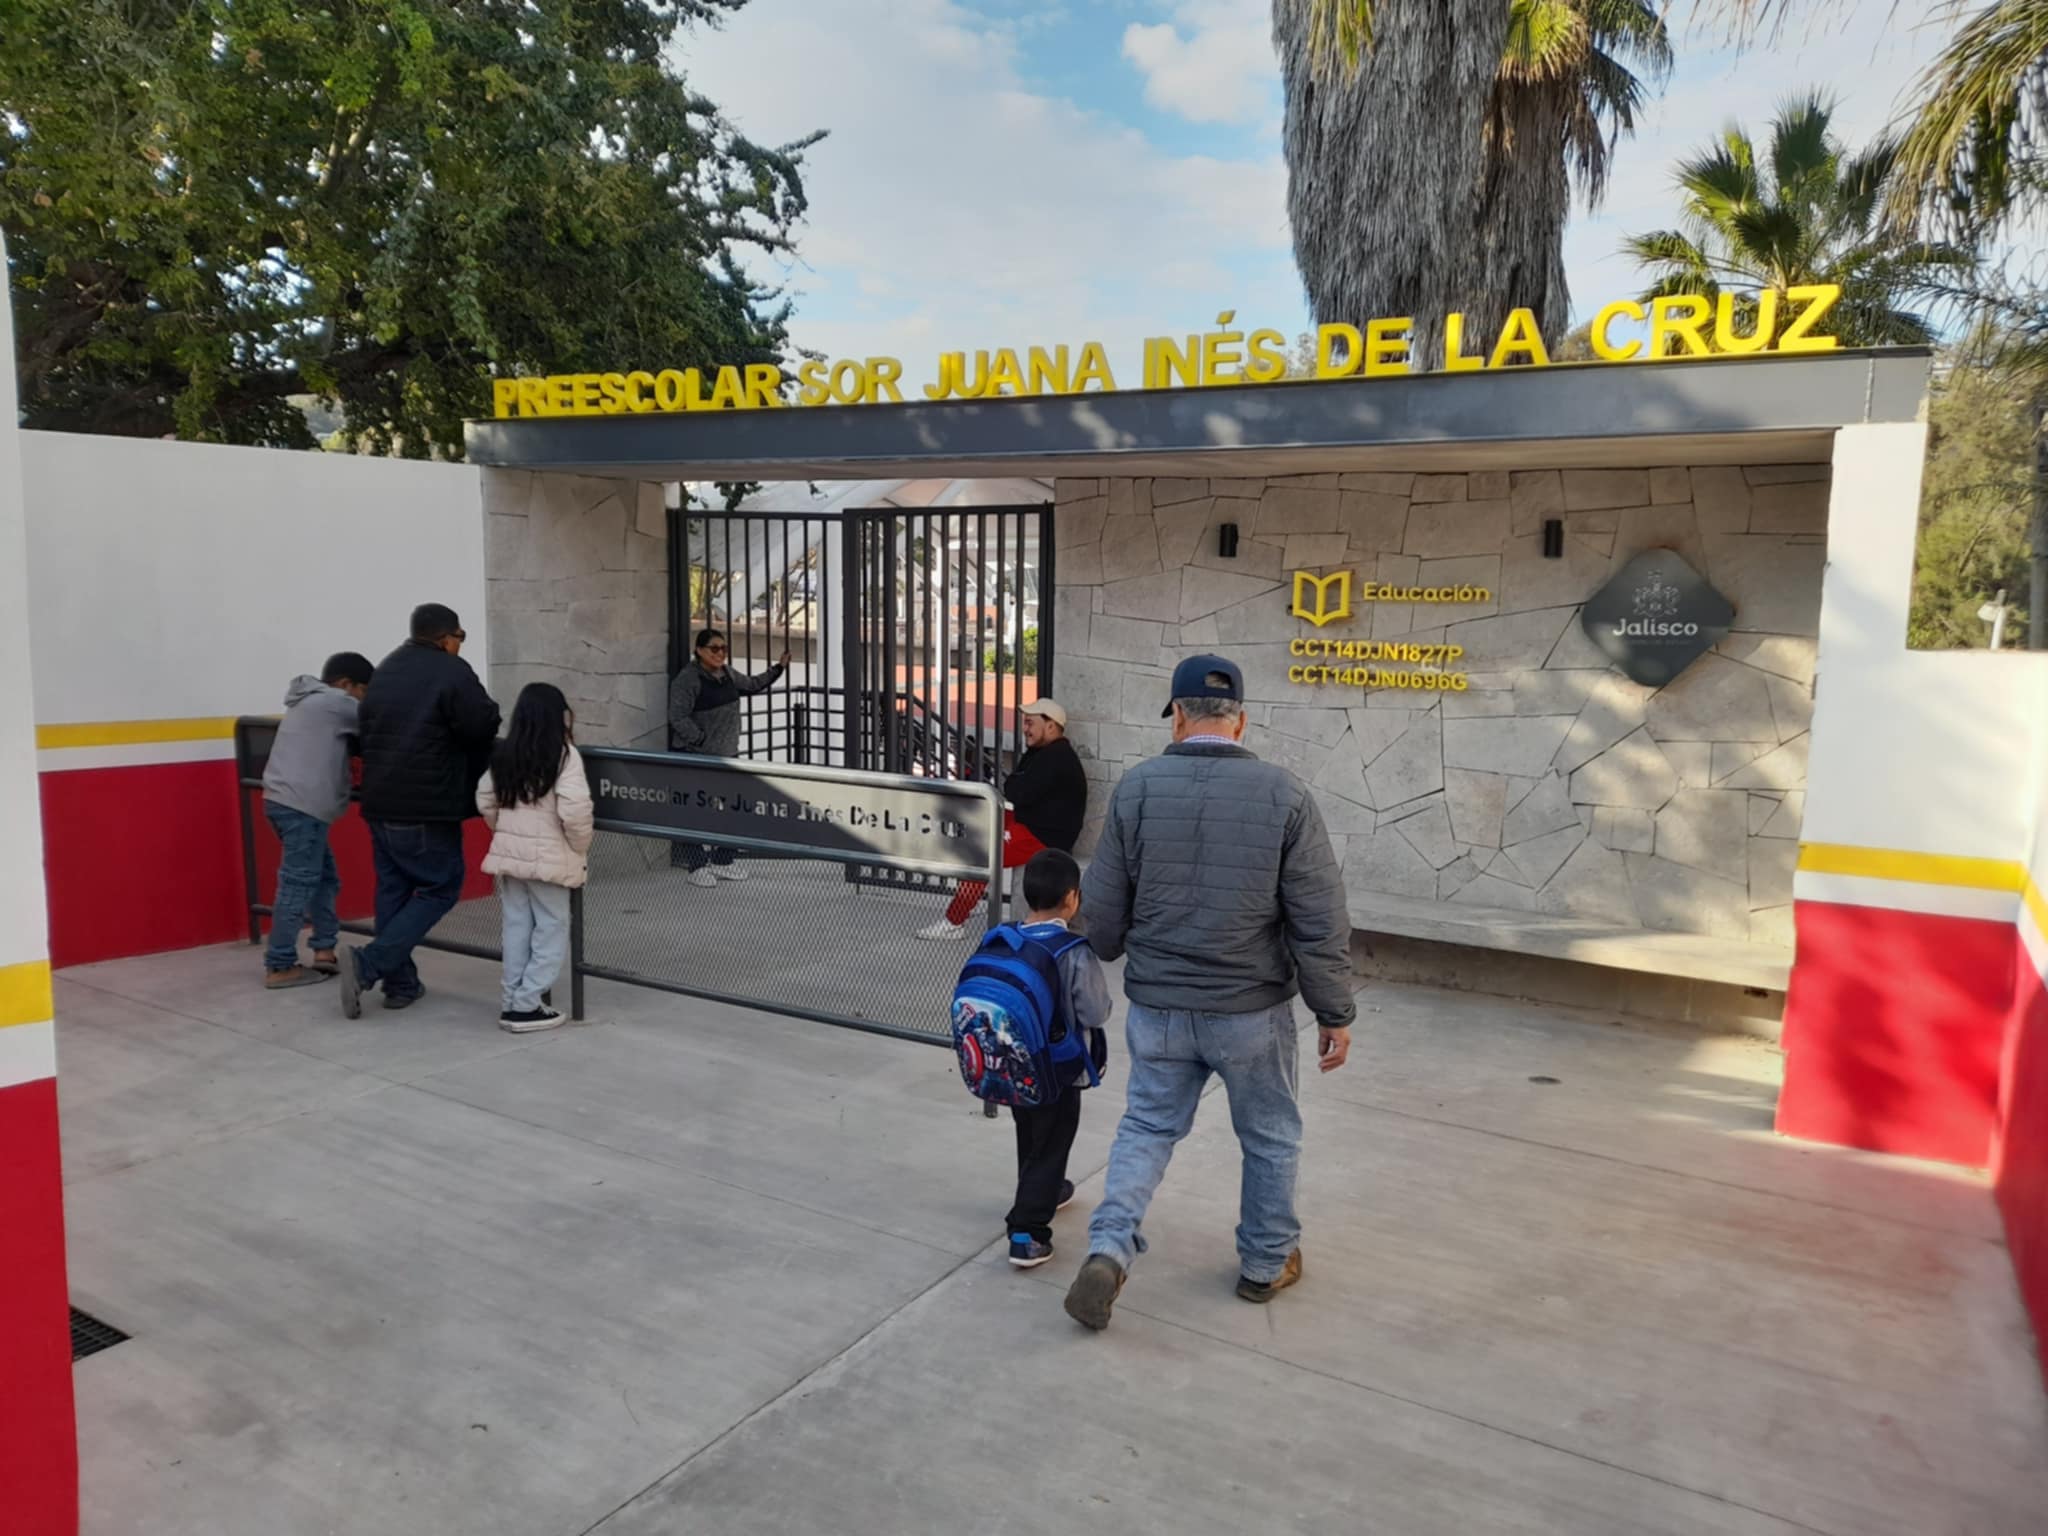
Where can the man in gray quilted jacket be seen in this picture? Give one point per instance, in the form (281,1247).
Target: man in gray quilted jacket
(1216,882)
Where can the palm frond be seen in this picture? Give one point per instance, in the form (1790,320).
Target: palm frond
(1985,109)
(1547,40)
(1801,150)
(1340,34)
(1632,31)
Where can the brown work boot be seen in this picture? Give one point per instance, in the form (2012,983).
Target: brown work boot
(326,962)
(1094,1291)
(1263,1291)
(295,976)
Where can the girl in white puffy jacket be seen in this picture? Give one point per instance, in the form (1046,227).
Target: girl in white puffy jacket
(536,802)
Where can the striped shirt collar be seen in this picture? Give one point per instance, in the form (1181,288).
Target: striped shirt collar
(1209,741)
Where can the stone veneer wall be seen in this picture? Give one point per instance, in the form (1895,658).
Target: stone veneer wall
(1555,784)
(578,595)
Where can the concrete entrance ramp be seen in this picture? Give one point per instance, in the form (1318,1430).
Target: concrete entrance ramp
(690,1268)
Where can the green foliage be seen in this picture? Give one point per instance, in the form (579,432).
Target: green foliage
(1022,663)
(216,205)
(1975,509)
(1799,208)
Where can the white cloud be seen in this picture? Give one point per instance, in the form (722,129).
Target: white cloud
(1221,70)
(953,207)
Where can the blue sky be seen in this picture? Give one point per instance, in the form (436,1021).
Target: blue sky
(1018,172)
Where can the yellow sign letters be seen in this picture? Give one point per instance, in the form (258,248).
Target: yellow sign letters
(1676,326)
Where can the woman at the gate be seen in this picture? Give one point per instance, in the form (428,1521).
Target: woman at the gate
(704,717)
(1046,799)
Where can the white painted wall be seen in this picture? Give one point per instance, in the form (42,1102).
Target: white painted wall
(24,922)
(1918,751)
(181,580)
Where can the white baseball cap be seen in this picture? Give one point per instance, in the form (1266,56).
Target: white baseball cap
(1050,709)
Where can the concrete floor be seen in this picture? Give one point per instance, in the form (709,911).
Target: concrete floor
(694,1269)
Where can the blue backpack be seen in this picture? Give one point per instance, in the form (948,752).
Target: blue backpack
(1013,1026)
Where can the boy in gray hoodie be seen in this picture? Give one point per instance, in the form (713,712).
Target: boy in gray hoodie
(305,790)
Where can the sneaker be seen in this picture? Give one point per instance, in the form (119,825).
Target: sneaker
(325,963)
(943,930)
(395,1001)
(1095,1291)
(728,872)
(293,976)
(352,983)
(1066,1195)
(703,879)
(531,1021)
(1263,1291)
(1027,1252)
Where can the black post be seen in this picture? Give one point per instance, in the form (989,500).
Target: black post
(255,897)
(576,953)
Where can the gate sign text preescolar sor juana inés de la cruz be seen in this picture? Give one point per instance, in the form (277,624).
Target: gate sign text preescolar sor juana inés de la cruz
(1676,326)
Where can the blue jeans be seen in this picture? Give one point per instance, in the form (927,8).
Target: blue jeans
(1172,1055)
(307,883)
(420,871)
(536,938)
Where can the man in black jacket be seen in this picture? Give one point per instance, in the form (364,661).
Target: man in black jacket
(427,727)
(1048,795)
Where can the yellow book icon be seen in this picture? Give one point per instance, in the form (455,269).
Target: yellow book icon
(1312,597)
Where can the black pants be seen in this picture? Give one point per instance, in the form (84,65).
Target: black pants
(1044,1138)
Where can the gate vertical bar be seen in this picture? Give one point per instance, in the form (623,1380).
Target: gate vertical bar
(892,761)
(1048,599)
(853,661)
(942,650)
(1006,704)
(981,765)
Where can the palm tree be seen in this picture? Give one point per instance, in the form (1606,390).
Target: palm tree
(1971,153)
(1805,211)
(1432,147)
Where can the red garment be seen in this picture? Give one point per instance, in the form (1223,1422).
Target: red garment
(1018,847)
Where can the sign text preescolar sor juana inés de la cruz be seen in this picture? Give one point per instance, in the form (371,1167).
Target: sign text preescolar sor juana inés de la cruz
(1678,326)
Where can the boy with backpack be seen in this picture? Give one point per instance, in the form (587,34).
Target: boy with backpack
(1028,1020)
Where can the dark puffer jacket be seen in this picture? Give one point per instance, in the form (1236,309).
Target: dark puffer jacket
(1216,877)
(426,728)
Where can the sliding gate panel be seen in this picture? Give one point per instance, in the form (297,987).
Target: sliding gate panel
(794,936)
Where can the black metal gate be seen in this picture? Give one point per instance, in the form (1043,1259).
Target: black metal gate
(915,635)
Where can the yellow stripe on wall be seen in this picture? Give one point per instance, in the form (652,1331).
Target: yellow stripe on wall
(2037,905)
(1917,868)
(131,733)
(25,993)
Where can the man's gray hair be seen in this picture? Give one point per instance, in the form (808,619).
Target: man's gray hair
(1210,709)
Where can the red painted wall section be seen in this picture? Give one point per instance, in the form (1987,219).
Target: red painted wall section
(140,860)
(2020,1163)
(146,859)
(1894,1028)
(38,1451)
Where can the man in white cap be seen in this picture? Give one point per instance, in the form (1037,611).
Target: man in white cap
(1048,797)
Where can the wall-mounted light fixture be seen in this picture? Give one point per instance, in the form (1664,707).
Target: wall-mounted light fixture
(1226,541)
(1553,538)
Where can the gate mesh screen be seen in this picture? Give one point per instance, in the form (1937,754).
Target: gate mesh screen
(795,936)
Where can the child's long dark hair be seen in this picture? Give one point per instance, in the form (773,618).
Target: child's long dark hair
(526,763)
